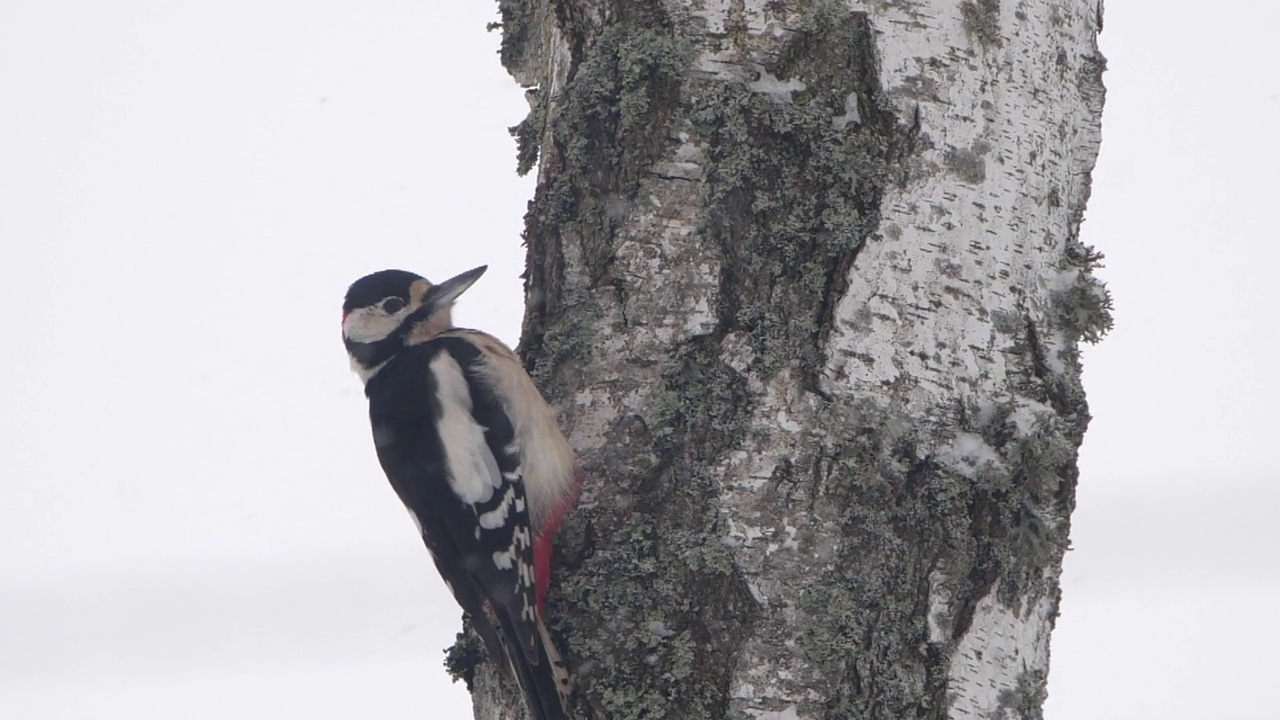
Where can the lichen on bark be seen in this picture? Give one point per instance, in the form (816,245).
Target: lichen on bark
(807,291)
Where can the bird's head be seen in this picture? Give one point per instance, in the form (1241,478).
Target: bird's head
(390,309)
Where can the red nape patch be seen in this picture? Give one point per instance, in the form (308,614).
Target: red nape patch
(345,313)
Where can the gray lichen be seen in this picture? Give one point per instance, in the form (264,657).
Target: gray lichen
(905,512)
(792,197)
(465,655)
(967,165)
(517,28)
(652,605)
(1082,307)
(528,133)
(611,126)
(982,20)
(1026,701)
(657,556)
(660,569)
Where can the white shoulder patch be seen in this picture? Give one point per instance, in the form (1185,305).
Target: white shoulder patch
(471,468)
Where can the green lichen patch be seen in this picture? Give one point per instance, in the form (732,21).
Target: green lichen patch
(611,126)
(982,20)
(528,134)
(966,165)
(705,406)
(651,607)
(648,599)
(907,512)
(561,348)
(465,655)
(868,627)
(1026,700)
(517,29)
(793,193)
(1082,306)
(654,615)
(1016,518)
(1047,373)
(655,607)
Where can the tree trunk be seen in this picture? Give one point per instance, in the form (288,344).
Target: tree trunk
(804,280)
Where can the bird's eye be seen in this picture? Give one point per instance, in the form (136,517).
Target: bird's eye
(392,305)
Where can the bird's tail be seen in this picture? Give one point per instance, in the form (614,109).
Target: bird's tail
(544,680)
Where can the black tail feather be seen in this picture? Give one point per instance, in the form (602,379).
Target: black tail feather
(543,680)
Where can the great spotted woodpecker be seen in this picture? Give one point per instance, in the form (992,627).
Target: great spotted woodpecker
(475,454)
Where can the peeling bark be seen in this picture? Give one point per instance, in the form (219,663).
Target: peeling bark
(804,280)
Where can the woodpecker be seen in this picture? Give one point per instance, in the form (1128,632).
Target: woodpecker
(475,454)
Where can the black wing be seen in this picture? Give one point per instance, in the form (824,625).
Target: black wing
(481,541)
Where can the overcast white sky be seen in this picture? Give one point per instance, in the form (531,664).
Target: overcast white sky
(192,521)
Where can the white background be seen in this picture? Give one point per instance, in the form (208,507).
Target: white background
(192,521)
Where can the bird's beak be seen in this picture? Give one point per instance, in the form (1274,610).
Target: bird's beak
(443,295)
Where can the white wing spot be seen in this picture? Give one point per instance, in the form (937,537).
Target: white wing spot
(497,517)
(505,559)
(527,612)
(512,556)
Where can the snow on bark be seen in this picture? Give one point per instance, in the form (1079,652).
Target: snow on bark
(805,281)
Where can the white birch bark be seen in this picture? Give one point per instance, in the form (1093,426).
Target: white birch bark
(806,284)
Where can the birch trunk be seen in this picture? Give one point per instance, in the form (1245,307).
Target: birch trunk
(804,280)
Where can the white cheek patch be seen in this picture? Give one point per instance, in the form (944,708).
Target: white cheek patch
(369,325)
